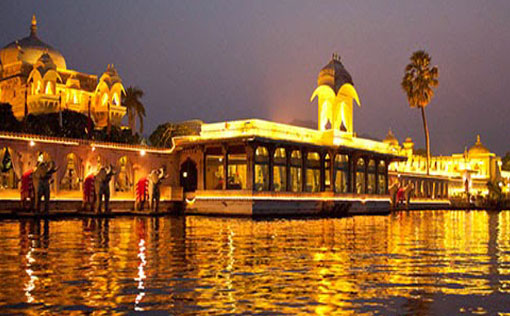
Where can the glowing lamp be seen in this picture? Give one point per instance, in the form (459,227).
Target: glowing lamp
(32,143)
(185,174)
(142,152)
(93,148)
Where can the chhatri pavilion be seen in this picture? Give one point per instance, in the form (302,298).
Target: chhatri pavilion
(34,79)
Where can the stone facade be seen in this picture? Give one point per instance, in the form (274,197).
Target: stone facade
(34,79)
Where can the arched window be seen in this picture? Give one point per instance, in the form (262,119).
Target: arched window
(71,179)
(8,178)
(38,87)
(49,88)
(341,173)
(296,176)
(360,176)
(123,183)
(382,177)
(115,99)
(237,167)
(371,177)
(313,172)
(261,169)
(104,99)
(280,170)
(327,172)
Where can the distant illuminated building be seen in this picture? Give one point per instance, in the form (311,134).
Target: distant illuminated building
(34,79)
(478,165)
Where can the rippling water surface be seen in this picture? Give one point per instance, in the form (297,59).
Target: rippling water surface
(415,263)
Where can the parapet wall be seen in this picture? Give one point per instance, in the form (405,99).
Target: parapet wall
(76,159)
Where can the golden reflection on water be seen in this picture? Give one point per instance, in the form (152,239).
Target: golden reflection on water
(427,263)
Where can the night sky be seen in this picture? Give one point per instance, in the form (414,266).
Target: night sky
(222,60)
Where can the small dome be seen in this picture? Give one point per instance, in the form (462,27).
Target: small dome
(391,139)
(478,148)
(334,74)
(30,49)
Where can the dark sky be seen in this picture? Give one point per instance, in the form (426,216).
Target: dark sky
(222,60)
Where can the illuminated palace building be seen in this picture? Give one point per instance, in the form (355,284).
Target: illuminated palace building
(247,167)
(34,79)
(256,166)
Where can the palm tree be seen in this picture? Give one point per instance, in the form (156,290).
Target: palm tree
(419,79)
(134,107)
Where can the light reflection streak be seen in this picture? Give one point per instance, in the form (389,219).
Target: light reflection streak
(141,274)
(30,285)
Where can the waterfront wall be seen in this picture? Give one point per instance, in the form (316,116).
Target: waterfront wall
(76,159)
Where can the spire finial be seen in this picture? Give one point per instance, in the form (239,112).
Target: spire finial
(478,139)
(33,26)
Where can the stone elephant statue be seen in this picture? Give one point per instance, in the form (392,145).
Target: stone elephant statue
(392,191)
(155,178)
(41,183)
(102,188)
(408,192)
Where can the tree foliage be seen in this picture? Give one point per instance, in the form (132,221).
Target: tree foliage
(420,79)
(74,125)
(418,83)
(8,121)
(164,133)
(135,107)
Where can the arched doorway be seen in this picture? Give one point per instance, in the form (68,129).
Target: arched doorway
(188,175)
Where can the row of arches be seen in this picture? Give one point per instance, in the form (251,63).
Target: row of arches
(288,169)
(71,173)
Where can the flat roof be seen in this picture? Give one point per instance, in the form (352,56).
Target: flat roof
(253,129)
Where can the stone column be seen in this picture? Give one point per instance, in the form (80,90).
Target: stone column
(376,176)
(271,150)
(288,152)
(322,177)
(250,166)
(225,166)
(303,170)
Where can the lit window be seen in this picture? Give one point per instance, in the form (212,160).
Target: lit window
(49,89)
(116,99)
(237,167)
(214,172)
(280,170)
(341,174)
(360,176)
(261,169)
(296,176)
(382,177)
(313,172)
(371,177)
(105,99)
(38,87)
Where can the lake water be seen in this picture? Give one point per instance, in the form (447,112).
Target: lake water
(415,263)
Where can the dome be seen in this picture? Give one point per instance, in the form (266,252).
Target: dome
(478,148)
(334,74)
(30,49)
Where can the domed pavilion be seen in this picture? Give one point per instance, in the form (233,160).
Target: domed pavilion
(34,79)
